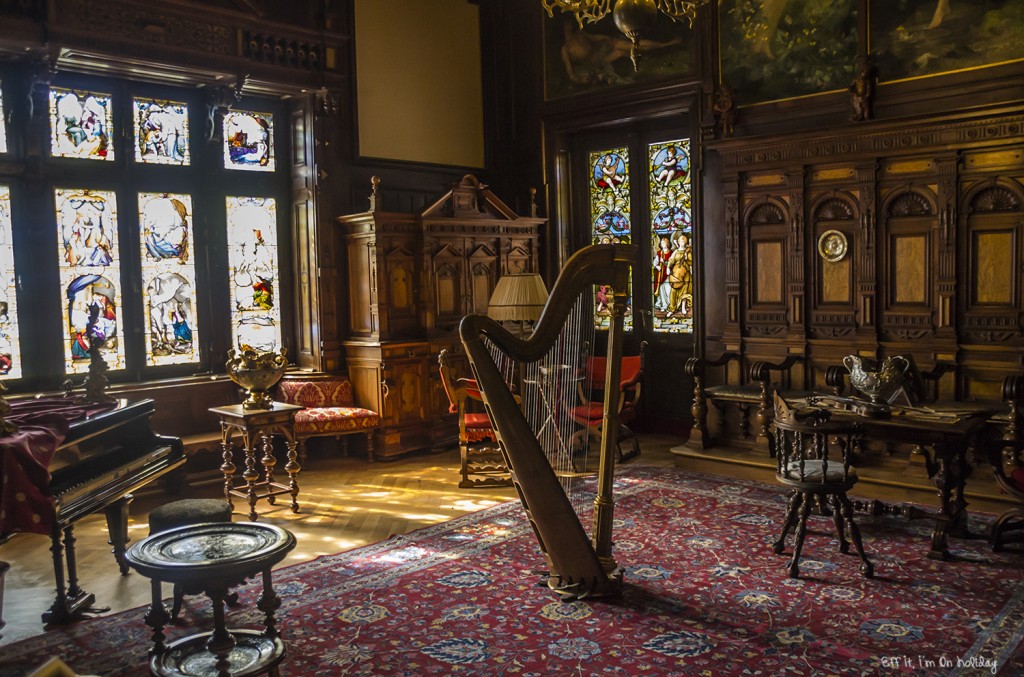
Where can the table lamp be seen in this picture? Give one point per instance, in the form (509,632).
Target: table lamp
(518,297)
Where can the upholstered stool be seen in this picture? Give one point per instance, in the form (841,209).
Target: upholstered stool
(187,512)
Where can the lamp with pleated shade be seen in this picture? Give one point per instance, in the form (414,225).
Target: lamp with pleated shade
(519,297)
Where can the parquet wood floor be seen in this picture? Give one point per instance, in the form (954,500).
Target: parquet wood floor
(346,503)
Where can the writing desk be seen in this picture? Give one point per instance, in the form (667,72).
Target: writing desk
(942,433)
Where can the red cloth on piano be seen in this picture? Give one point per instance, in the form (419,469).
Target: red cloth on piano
(25,500)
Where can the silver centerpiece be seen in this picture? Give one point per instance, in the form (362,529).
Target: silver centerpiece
(880,386)
(257,372)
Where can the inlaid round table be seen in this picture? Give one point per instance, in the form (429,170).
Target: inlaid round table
(213,558)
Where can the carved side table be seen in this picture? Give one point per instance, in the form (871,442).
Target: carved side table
(256,428)
(213,558)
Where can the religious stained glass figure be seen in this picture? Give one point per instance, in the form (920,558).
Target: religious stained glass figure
(90,274)
(3,122)
(671,235)
(161,132)
(168,278)
(249,141)
(253,267)
(80,124)
(610,215)
(10,345)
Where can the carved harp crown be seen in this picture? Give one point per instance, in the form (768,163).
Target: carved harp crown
(536,432)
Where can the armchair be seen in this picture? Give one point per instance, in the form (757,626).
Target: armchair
(329,409)
(481,461)
(1007,461)
(590,412)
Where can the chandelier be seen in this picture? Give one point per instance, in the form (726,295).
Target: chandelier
(632,17)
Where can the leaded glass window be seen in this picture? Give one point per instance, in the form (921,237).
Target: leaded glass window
(90,275)
(609,214)
(671,235)
(168,278)
(80,124)
(161,132)
(253,266)
(10,346)
(249,141)
(3,123)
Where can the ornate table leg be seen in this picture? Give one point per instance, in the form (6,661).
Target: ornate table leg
(157,618)
(268,461)
(250,475)
(292,468)
(228,465)
(268,603)
(221,641)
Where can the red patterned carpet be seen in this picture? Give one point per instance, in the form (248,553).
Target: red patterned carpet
(704,595)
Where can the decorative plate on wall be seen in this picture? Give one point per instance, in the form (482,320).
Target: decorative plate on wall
(832,246)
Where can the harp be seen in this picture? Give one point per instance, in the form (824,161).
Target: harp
(536,436)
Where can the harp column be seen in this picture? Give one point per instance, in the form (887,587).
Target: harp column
(604,503)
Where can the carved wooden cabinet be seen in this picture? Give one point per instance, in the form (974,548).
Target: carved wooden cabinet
(411,279)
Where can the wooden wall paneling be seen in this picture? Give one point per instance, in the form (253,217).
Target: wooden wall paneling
(767,228)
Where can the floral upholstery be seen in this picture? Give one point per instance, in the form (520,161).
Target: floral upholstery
(329,408)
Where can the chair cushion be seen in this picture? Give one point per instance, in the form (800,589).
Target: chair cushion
(589,414)
(327,420)
(813,471)
(316,393)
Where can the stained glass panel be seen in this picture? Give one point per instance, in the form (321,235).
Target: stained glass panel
(3,123)
(90,274)
(168,278)
(249,141)
(610,214)
(161,132)
(10,346)
(671,235)
(252,263)
(80,124)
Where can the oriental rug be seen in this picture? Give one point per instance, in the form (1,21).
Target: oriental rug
(704,595)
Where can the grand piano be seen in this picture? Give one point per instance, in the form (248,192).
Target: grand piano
(107,452)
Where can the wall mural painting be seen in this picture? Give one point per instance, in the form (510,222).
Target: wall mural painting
(597,56)
(671,235)
(780,49)
(915,38)
(610,215)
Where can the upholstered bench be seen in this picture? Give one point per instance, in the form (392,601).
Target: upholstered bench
(188,512)
(330,410)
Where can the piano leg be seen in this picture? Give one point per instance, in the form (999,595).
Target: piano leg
(71,601)
(117,529)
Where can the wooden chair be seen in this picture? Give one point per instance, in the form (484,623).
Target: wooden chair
(1007,461)
(482,464)
(813,458)
(589,412)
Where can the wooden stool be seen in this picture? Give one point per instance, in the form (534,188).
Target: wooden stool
(188,512)
(214,558)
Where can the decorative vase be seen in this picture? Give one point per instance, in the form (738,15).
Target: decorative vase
(880,386)
(257,373)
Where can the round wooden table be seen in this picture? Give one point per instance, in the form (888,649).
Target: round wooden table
(213,558)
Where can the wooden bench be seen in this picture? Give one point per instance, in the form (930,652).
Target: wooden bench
(754,399)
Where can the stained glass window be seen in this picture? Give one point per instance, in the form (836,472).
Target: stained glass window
(90,275)
(10,347)
(168,278)
(249,141)
(609,214)
(3,124)
(80,124)
(161,132)
(252,263)
(671,235)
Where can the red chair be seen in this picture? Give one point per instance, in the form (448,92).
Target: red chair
(482,464)
(329,409)
(590,411)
